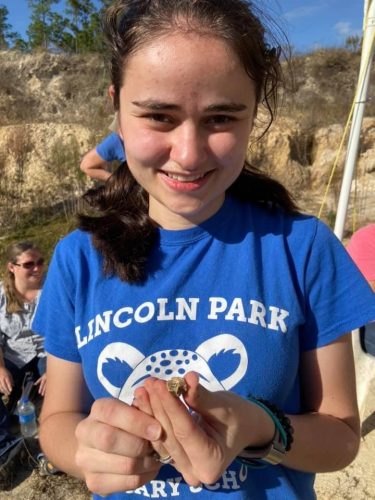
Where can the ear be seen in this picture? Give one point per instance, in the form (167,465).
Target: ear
(10,267)
(119,129)
(111,92)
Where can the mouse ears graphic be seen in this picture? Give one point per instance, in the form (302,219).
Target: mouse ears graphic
(220,362)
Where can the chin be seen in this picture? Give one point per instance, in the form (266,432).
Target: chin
(188,209)
(35,279)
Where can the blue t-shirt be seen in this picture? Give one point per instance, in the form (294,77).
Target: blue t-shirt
(111,148)
(235,299)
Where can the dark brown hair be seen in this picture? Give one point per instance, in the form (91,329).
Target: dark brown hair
(122,231)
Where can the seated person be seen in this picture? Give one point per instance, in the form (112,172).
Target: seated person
(21,350)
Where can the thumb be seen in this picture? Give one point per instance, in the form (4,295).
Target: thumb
(198,398)
(216,407)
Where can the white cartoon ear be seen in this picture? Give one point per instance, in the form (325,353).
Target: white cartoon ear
(121,352)
(224,343)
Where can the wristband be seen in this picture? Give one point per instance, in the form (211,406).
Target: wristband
(274,452)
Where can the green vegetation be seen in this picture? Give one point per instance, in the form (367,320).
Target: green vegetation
(76,30)
(46,231)
(7,36)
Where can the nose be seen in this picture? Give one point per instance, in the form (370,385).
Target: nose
(188,146)
(37,264)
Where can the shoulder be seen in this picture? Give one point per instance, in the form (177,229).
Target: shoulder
(74,261)
(110,140)
(75,240)
(304,238)
(276,223)
(73,250)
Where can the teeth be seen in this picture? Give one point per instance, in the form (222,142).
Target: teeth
(181,178)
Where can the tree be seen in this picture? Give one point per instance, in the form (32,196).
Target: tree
(20,44)
(60,36)
(96,42)
(353,43)
(39,31)
(7,37)
(80,12)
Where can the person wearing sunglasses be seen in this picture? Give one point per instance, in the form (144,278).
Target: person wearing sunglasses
(21,350)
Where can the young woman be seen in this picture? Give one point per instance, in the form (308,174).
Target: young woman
(198,266)
(21,350)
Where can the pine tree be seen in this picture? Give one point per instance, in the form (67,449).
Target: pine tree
(7,37)
(40,29)
(80,12)
(97,42)
(61,38)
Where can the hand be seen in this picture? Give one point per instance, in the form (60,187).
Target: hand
(202,448)
(6,381)
(42,384)
(114,451)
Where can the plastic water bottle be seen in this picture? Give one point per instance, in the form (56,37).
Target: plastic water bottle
(27,417)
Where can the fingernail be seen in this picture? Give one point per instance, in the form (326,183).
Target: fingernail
(153,432)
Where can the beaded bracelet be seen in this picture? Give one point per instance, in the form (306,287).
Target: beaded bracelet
(280,420)
(273,452)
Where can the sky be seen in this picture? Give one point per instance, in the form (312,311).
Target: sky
(309,24)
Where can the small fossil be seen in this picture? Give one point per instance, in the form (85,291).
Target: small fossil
(177,386)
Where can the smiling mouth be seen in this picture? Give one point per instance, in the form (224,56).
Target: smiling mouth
(185,178)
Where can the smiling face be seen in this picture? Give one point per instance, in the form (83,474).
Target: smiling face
(28,277)
(186,112)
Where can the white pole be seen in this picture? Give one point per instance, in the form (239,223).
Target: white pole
(355,131)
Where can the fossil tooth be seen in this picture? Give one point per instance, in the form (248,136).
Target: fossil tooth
(177,386)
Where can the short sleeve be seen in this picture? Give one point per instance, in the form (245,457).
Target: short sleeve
(54,317)
(338,299)
(111,148)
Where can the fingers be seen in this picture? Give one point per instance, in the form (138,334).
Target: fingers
(104,463)
(6,382)
(127,418)
(112,440)
(178,422)
(42,384)
(165,408)
(105,484)
(114,453)
(142,402)
(197,445)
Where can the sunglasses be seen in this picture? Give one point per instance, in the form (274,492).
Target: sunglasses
(30,264)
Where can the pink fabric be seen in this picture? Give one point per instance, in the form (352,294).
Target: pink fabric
(361,248)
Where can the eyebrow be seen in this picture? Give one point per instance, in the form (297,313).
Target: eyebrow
(230,107)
